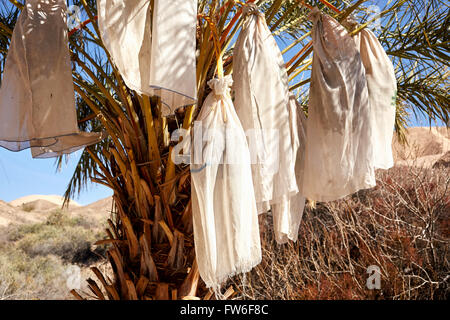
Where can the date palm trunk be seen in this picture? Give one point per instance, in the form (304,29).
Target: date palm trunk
(149,234)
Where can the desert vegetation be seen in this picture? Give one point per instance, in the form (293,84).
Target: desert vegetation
(35,258)
(401,226)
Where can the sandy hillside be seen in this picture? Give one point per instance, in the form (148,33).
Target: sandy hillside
(426,146)
(36,208)
(15,215)
(45,200)
(97,211)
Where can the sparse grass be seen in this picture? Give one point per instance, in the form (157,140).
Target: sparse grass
(60,218)
(35,257)
(25,277)
(401,226)
(72,244)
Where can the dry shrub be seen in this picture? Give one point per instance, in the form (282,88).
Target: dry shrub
(23,277)
(61,235)
(401,226)
(35,258)
(28,207)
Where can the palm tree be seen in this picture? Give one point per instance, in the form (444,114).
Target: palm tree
(150,237)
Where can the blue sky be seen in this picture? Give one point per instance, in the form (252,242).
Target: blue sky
(21,175)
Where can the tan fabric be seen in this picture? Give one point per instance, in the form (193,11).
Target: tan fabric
(226,230)
(158,60)
(262,104)
(339,159)
(64,145)
(287,214)
(382,87)
(37,104)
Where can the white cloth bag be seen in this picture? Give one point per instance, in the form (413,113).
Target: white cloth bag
(225,220)
(382,86)
(262,104)
(153,51)
(37,100)
(288,213)
(339,158)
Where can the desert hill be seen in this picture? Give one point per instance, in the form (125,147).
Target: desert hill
(15,215)
(37,208)
(46,201)
(425,146)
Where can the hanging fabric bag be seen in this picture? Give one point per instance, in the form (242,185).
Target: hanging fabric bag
(262,104)
(37,102)
(288,213)
(382,86)
(339,149)
(225,220)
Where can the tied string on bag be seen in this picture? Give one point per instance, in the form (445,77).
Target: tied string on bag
(221,87)
(231,24)
(234,20)
(350,23)
(250,9)
(306,50)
